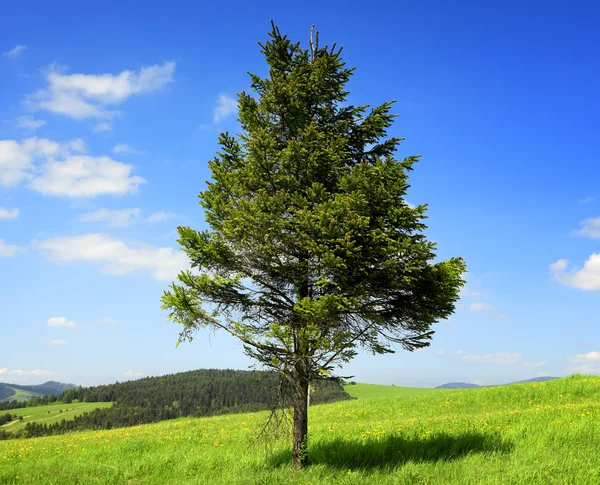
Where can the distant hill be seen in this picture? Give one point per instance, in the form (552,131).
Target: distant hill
(466,385)
(17,392)
(203,392)
(458,385)
(536,379)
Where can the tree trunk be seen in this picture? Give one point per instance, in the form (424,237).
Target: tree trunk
(299,448)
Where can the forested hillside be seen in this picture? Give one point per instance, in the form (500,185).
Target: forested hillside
(5,391)
(203,392)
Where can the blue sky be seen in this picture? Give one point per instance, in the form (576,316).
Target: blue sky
(110,112)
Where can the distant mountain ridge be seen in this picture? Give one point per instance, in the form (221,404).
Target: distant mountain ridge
(467,385)
(458,385)
(10,391)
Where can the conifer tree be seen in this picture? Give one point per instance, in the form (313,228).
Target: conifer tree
(312,250)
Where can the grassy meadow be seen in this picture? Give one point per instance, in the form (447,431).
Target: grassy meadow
(50,414)
(375,391)
(21,395)
(520,434)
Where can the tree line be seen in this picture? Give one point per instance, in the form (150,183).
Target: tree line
(205,392)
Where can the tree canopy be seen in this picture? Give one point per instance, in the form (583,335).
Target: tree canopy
(312,250)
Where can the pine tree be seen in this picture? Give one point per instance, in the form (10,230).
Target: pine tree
(312,250)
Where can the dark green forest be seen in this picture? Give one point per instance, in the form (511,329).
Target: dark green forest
(205,392)
(6,391)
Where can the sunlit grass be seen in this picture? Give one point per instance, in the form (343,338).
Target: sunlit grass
(375,391)
(20,395)
(50,414)
(528,433)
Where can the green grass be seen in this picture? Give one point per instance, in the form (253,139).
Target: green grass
(375,391)
(21,395)
(50,414)
(543,433)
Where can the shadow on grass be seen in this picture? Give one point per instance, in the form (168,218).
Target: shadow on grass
(394,451)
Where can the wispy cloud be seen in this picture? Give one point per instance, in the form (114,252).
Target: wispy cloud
(129,375)
(541,363)
(9,213)
(590,228)
(107,321)
(115,256)
(112,218)
(226,106)
(4,371)
(61,322)
(15,51)
(124,149)
(9,250)
(59,342)
(161,216)
(28,123)
(585,363)
(102,127)
(90,96)
(497,358)
(480,307)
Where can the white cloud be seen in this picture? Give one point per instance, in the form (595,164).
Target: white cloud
(498,358)
(63,169)
(559,265)
(586,200)
(102,127)
(9,213)
(480,307)
(88,96)
(124,149)
(58,342)
(226,106)
(108,321)
(161,217)
(61,322)
(585,363)
(9,250)
(15,51)
(477,382)
(86,176)
(29,123)
(586,278)
(133,375)
(440,352)
(112,218)
(466,290)
(115,256)
(591,228)
(4,371)
(541,363)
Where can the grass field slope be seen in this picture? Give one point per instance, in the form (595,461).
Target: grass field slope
(376,391)
(50,414)
(536,433)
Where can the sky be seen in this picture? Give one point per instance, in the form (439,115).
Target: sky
(110,111)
